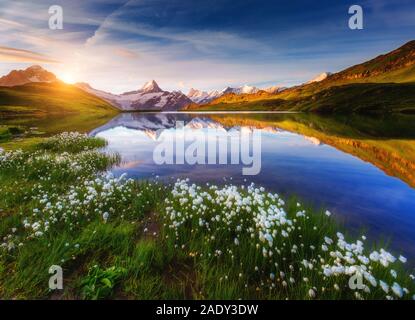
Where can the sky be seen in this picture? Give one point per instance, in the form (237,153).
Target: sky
(118,45)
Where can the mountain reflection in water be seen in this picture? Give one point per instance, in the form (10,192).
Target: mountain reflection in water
(360,168)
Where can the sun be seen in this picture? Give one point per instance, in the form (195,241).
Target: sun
(68,78)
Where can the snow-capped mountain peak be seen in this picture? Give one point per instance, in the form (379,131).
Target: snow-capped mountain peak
(149,97)
(320,77)
(248,89)
(240,90)
(273,89)
(197,95)
(227,90)
(150,87)
(202,97)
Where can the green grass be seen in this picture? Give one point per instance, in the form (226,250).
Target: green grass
(361,98)
(8,132)
(41,109)
(384,84)
(118,238)
(378,98)
(50,98)
(71,142)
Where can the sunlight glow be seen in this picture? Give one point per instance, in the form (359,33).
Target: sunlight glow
(67,78)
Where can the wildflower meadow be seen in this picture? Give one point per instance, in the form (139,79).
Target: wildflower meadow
(115,237)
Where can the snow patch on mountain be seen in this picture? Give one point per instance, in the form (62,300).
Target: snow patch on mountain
(149,97)
(320,77)
(202,97)
(273,89)
(197,95)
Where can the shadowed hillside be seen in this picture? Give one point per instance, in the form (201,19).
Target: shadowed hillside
(383,84)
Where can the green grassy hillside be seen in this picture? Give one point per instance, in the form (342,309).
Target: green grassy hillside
(50,98)
(360,97)
(383,84)
(397,66)
(39,109)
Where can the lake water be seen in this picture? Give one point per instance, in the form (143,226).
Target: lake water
(358,173)
(362,169)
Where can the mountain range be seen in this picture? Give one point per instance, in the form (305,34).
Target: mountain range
(203,97)
(383,84)
(149,97)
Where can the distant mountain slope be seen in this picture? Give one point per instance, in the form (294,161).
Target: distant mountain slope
(197,96)
(320,77)
(389,71)
(203,97)
(397,66)
(236,98)
(398,59)
(51,98)
(31,74)
(358,98)
(273,89)
(149,97)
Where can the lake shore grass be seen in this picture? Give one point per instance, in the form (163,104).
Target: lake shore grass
(119,238)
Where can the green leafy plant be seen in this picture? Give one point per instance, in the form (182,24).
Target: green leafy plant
(99,283)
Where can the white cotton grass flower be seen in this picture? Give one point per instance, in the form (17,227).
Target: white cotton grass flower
(374,256)
(328,240)
(384,286)
(249,218)
(402,259)
(397,290)
(327,213)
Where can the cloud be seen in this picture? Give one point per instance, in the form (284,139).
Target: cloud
(19,55)
(125,53)
(11,24)
(117,45)
(187,42)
